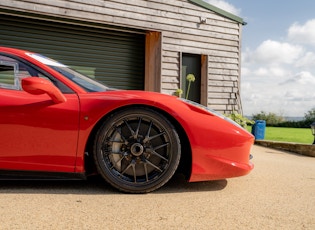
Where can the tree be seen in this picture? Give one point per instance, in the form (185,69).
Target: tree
(270,118)
(310,116)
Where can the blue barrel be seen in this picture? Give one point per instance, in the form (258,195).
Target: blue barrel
(258,129)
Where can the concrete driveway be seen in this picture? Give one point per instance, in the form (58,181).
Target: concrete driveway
(278,194)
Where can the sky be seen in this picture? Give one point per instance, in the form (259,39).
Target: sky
(278,55)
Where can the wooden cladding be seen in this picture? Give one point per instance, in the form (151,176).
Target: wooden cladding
(172,28)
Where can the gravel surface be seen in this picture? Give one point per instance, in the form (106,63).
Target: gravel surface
(278,194)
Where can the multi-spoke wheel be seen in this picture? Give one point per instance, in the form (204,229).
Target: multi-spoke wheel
(137,150)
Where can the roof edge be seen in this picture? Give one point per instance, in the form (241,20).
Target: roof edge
(218,11)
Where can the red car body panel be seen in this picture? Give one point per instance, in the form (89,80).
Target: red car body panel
(40,135)
(37,134)
(218,146)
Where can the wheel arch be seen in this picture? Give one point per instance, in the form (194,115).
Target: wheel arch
(185,165)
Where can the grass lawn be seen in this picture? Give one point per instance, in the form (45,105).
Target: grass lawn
(297,135)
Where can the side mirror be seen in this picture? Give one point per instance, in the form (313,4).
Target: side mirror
(37,86)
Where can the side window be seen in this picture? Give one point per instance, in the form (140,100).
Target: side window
(8,71)
(13,70)
(11,73)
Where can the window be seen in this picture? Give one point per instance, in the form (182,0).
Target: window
(8,73)
(191,64)
(12,71)
(196,65)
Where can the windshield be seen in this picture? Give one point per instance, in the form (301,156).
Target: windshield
(83,81)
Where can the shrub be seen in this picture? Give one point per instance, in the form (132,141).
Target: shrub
(239,119)
(271,118)
(310,117)
(278,121)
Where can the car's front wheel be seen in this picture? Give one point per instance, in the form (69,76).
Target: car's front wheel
(137,150)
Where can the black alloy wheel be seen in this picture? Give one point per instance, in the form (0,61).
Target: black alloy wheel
(137,150)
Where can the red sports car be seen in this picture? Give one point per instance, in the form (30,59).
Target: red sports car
(58,123)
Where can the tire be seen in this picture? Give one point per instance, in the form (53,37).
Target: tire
(137,150)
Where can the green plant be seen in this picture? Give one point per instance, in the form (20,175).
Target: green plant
(239,119)
(270,118)
(179,92)
(190,78)
(310,116)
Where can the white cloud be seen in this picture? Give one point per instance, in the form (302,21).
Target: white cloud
(224,6)
(278,72)
(302,78)
(273,72)
(246,85)
(306,61)
(274,53)
(298,96)
(261,72)
(304,34)
(245,71)
(289,95)
(278,78)
(278,75)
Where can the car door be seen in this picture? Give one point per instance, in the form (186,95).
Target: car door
(35,132)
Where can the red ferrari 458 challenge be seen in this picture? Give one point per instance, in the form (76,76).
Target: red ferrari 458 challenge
(56,123)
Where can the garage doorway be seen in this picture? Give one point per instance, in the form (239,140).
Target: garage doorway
(113,56)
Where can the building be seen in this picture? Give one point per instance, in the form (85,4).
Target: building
(139,44)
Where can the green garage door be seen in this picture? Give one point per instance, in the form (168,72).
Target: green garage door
(113,57)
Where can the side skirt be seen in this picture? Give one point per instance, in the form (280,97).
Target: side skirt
(38,175)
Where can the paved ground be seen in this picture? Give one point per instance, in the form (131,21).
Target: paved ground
(278,194)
